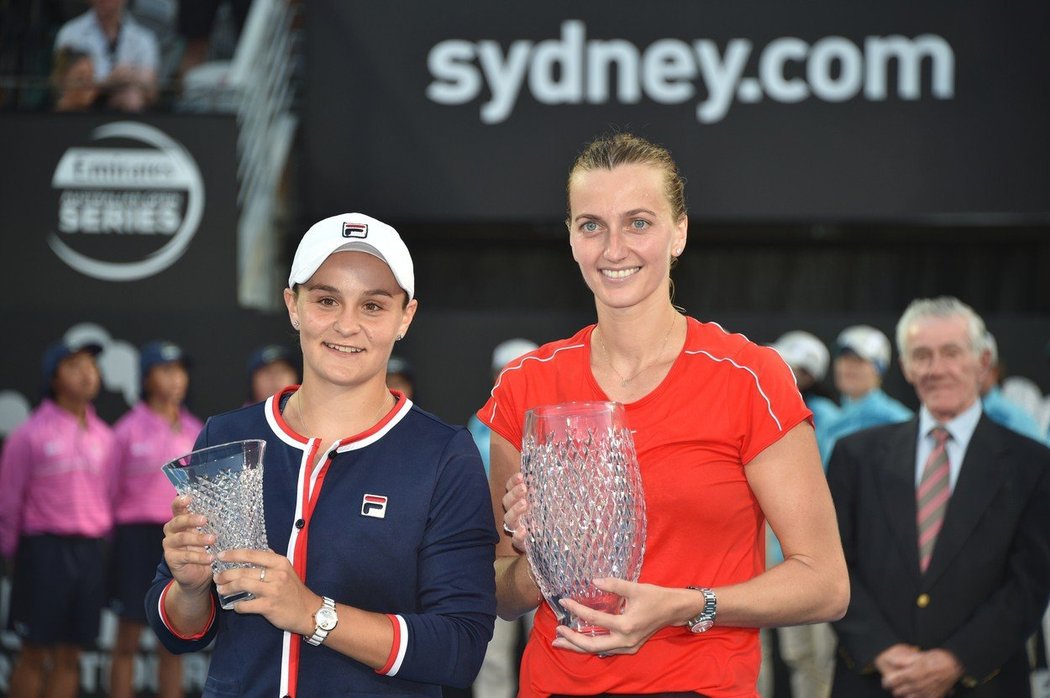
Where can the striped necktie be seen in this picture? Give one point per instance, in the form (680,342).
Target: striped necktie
(932,496)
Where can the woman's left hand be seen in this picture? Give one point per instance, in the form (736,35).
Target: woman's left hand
(280,596)
(647,608)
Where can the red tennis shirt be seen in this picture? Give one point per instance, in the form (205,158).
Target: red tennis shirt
(724,400)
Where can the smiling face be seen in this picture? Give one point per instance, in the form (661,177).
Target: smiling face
(942,364)
(349,314)
(623,233)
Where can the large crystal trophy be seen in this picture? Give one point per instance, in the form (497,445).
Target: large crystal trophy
(586,511)
(225,486)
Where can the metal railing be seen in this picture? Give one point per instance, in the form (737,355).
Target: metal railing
(257,85)
(262,68)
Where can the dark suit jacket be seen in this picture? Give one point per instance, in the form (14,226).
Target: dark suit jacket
(989,578)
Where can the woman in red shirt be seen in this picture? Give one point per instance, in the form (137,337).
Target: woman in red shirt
(724,442)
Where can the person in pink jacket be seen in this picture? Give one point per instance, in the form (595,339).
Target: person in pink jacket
(156,430)
(56,475)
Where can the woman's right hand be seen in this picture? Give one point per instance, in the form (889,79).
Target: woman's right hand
(184,542)
(514,508)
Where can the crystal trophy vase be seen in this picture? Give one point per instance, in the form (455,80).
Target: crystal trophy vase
(225,486)
(586,510)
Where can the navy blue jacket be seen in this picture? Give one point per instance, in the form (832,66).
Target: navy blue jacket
(427,560)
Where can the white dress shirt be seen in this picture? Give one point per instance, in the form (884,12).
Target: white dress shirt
(960,429)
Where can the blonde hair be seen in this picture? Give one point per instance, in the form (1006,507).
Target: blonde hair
(608,152)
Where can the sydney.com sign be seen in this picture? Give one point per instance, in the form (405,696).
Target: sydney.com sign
(574,69)
(776,111)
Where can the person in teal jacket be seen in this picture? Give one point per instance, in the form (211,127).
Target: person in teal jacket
(997,407)
(808,359)
(862,357)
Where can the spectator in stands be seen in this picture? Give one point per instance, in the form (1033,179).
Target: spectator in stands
(157,430)
(862,359)
(997,407)
(271,368)
(498,677)
(56,476)
(73,81)
(196,23)
(123,52)
(401,376)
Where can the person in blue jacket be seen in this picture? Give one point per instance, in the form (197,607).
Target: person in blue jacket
(379,580)
(995,404)
(862,357)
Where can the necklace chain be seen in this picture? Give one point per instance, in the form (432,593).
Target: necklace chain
(299,411)
(608,356)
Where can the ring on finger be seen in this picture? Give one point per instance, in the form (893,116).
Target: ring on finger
(507,528)
(262,574)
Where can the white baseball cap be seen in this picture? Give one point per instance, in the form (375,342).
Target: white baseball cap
(352,232)
(804,351)
(507,351)
(866,342)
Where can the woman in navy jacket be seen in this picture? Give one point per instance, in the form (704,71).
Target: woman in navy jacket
(380,576)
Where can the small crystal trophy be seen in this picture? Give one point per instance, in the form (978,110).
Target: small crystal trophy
(586,515)
(225,486)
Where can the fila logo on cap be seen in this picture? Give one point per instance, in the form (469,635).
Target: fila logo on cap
(355,230)
(374,505)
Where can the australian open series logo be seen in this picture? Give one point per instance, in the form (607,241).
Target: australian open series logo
(355,230)
(128,204)
(374,505)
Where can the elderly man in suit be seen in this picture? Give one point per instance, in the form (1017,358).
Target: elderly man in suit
(945,522)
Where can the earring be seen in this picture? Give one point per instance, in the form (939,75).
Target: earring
(399,338)
(295,325)
(677,251)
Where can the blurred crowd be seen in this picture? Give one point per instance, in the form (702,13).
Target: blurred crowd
(112,55)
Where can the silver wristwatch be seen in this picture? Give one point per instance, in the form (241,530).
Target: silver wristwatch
(325,618)
(705,620)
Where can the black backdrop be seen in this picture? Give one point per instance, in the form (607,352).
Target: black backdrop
(883,111)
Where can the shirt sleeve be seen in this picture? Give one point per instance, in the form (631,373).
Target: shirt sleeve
(155,613)
(503,412)
(121,457)
(146,54)
(445,641)
(14,475)
(773,404)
